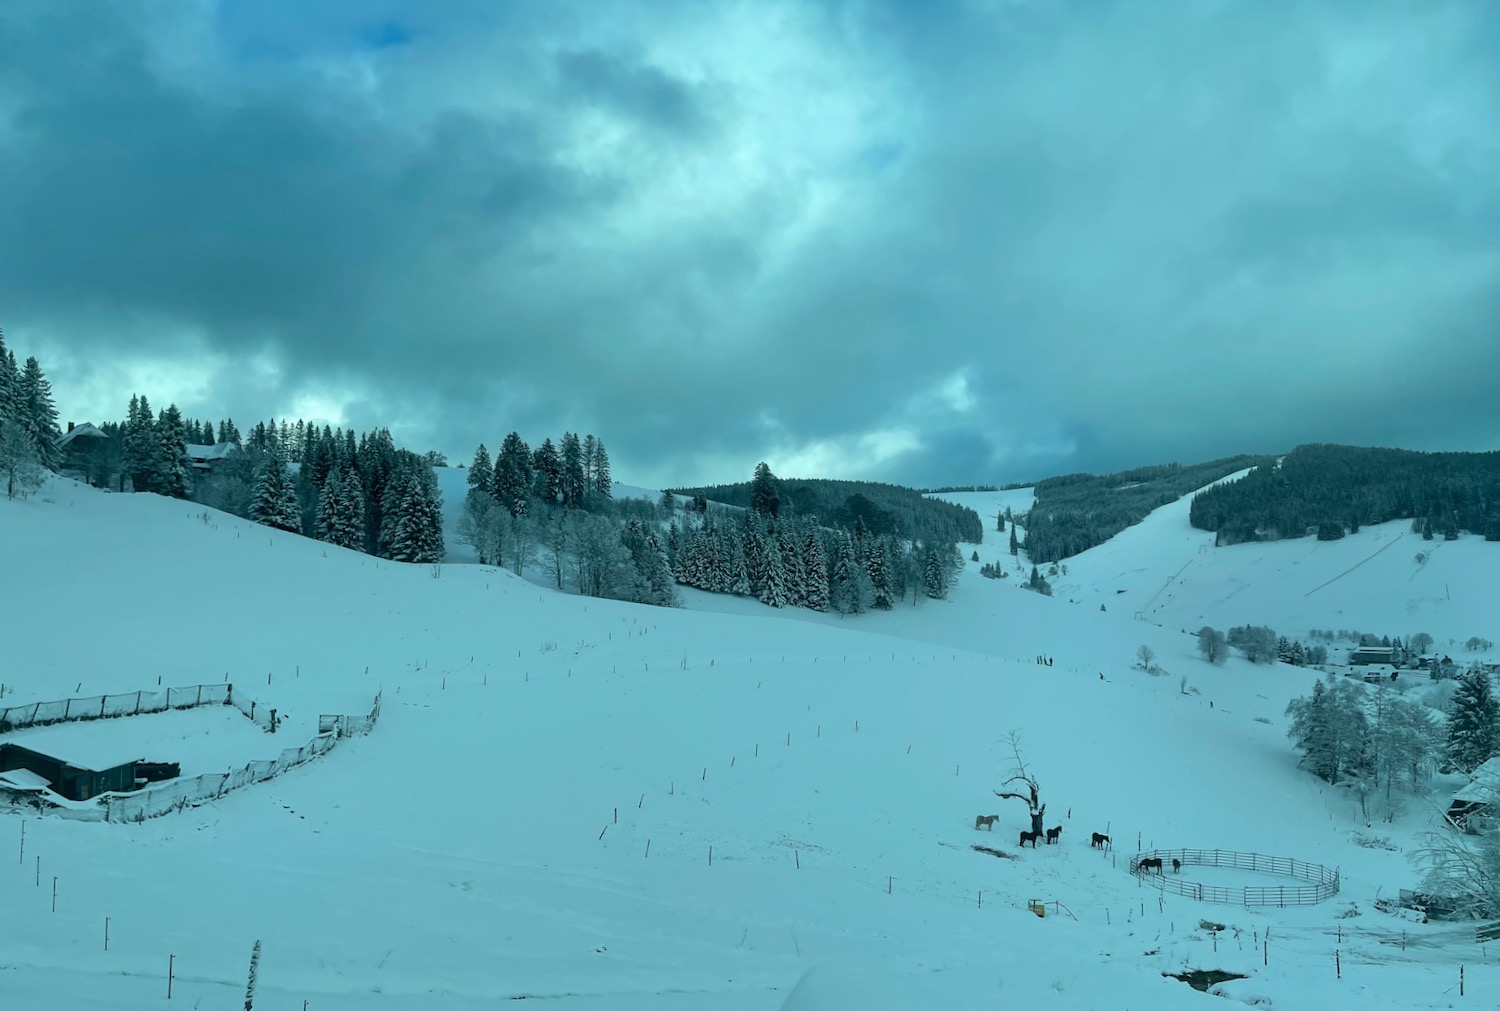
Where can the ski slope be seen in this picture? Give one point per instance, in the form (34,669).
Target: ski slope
(612,806)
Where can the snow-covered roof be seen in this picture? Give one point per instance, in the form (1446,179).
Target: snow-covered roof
(80,431)
(217,451)
(1484,787)
(25,779)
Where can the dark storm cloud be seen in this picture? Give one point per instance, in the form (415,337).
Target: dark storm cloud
(642,92)
(938,243)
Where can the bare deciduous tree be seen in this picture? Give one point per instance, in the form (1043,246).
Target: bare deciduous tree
(1146,655)
(1020,774)
(20,464)
(1463,867)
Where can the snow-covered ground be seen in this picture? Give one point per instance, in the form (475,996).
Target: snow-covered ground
(621,807)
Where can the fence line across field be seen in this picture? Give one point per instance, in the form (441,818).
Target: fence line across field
(102,707)
(1324,882)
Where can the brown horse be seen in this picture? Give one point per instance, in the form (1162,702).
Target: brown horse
(1053,834)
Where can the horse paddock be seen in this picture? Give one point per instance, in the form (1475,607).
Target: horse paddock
(1204,875)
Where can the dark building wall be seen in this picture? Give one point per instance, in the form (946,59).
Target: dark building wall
(68,781)
(13,756)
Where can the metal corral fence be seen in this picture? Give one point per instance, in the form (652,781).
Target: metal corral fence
(1324,883)
(177,794)
(101,707)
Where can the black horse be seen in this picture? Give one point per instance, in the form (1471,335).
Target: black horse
(1029,837)
(1099,841)
(1052,834)
(1176,865)
(1149,864)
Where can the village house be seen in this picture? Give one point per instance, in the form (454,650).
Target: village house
(87,453)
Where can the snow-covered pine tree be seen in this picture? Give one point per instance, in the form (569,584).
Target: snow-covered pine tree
(689,554)
(895,551)
(172,476)
(574,476)
(1474,725)
(791,565)
(9,381)
(274,502)
(765,496)
(751,534)
(934,577)
(814,571)
(513,474)
(1283,650)
(430,517)
(588,463)
(330,501)
(736,572)
(38,415)
(603,484)
(547,465)
(849,585)
(349,529)
(713,562)
(659,574)
(1313,732)
(880,577)
(481,472)
(141,445)
(417,536)
(773,574)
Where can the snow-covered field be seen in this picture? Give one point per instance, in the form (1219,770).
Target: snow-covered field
(715,807)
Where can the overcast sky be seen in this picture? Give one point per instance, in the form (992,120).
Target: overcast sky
(921,241)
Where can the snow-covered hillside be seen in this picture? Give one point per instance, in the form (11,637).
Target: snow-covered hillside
(1170,574)
(614,806)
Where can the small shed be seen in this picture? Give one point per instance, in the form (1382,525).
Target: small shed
(1478,798)
(63,778)
(1365,655)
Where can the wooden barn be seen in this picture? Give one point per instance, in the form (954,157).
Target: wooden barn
(74,782)
(1478,799)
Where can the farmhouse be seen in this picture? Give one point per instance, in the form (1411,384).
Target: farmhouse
(1478,797)
(204,457)
(86,453)
(1366,655)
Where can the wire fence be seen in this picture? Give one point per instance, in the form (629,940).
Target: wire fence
(177,794)
(102,707)
(1323,882)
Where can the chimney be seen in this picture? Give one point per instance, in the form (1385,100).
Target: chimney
(70,426)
